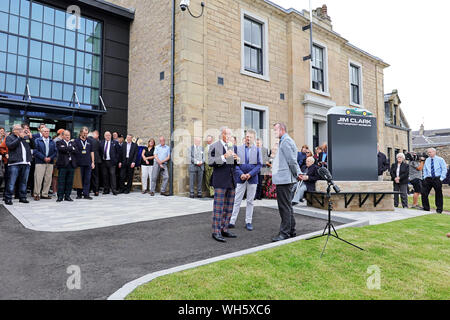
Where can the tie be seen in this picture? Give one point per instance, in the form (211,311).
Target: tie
(46,147)
(106,149)
(433,174)
(246,155)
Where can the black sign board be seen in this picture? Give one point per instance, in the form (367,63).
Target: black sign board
(352,147)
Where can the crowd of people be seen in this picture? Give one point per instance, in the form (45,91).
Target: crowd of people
(422,171)
(58,165)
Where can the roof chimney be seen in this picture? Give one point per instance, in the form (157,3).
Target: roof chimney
(422,129)
(322,13)
(325,10)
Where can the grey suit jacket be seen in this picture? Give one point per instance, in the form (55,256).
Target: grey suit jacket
(193,159)
(285,167)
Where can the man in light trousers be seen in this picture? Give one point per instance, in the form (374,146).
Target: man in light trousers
(196,168)
(162,158)
(44,154)
(246,176)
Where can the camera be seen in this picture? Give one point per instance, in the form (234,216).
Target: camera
(184,4)
(411,156)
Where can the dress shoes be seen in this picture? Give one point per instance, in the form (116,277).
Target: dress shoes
(166,194)
(114,193)
(293,234)
(46,198)
(68,199)
(36,198)
(105,192)
(231,226)
(152,194)
(96,194)
(126,192)
(79,197)
(228,234)
(9,202)
(279,238)
(24,201)
(59,200)
(218,237)
(200,196)
(191,196)
(87,197)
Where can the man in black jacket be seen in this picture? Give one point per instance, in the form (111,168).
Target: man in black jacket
(109,152)
(383,164)
(19,164)
(127,164)
(66,165)
(95,175)
(400,175)
(85,160)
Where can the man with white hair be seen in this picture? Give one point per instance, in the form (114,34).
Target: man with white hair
(434,173)
(400,177)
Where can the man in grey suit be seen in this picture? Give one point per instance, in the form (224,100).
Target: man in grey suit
(196,167)
(285,173)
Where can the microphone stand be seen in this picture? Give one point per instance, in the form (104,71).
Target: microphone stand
(329,225)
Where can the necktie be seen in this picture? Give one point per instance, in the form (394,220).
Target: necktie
(246,155)
(106,149)
(433,174)
(46,147)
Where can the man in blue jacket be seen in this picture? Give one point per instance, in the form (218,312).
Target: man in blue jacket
(246,175)
(44,155)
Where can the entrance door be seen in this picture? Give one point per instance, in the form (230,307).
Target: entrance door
(315,135)
(53,125)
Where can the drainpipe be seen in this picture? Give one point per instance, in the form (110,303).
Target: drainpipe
(172,99)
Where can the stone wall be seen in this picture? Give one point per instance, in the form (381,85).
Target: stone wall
(442,151)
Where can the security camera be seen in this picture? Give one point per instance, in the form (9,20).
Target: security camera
(184,4)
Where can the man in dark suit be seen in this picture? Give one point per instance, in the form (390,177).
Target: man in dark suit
(400,175)
(109,152)
(223,160)
(95,176)
(127,164)
(119,149)
(85,160)
(66,165)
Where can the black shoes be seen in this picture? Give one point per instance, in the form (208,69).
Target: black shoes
(24,201)
(228,234)
(114,193)
(87,197)
(231,226)
(279,238)
(68,199)
(191,196)
(59,200)
(218,238)
(9,202)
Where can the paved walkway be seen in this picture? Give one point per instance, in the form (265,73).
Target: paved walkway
(109,210)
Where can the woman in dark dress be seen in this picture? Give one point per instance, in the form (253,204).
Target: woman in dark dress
(147,164)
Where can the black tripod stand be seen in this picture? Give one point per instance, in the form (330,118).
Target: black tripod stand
(329,225)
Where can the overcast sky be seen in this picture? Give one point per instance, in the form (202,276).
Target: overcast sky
(413,36)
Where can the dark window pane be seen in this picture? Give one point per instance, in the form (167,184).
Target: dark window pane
(59,36)
(24,27)
(69,57)
(256,34)
(46,89)
(49,15)
(23,46)
(47,72)
(21,83)
(34,87)
(37,11)
(48,33)
(36,30)
(25,8)
(247,30)
(12,44)
(14,6)
(2,61)
(58,55)
(12,63)
(47,52)
(57,90)
(69,74)
(60,18)
(247,57)
(70,39)
(3,41)
(13,24)
(35,49)
(35,68)
(3,21)
(22,64)
(4,5)
(10,83)
(58,72)
(68,92)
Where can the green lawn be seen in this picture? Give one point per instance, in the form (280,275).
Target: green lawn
(431,200)
(413,255)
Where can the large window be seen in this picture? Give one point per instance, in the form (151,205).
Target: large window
(355,84)
(318,68)
(37,48)
(253,46)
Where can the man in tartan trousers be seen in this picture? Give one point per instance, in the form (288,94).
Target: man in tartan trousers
(223,160)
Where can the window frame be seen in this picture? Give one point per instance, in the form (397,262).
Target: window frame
(265,113)
(264,43)
(358,65)
(326,90)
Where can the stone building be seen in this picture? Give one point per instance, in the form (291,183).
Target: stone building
(438,139)
(396,131)
(241,64)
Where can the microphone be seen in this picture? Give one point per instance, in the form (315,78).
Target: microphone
(326,175)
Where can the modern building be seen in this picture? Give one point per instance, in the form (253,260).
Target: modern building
(241,64)
(64,63)
(396,130)
(438,139)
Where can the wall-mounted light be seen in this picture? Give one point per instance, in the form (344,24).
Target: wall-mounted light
(184,5)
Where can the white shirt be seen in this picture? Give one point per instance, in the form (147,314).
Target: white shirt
(128,149)
(398,169)
(108,143)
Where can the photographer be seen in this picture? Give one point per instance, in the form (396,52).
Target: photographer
(416,164)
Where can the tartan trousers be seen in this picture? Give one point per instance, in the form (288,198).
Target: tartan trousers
(223,208)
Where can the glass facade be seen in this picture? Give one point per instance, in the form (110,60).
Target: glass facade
(38,47)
